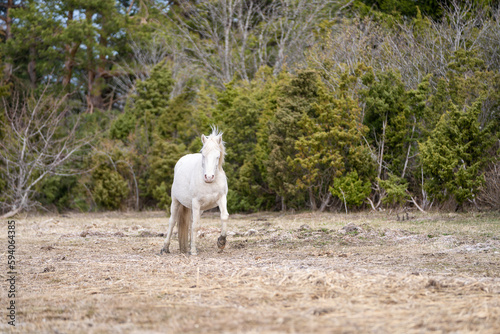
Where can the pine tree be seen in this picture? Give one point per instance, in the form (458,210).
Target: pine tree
(72,42)
(30,47)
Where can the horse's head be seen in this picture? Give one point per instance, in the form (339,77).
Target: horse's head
(212,155)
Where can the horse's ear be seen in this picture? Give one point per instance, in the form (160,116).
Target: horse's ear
(219,139)
(203,138)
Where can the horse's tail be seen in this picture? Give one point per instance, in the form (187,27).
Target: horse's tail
(184,221)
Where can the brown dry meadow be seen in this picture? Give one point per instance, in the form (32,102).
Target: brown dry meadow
(292,273)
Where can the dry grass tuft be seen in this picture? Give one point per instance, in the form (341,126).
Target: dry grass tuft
(305,273)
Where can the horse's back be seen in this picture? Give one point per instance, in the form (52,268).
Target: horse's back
(183,177)
(186,164)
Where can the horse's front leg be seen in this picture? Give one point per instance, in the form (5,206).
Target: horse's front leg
(196,212)
(224,216)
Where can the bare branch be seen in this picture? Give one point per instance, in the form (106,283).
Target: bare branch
(34,147)
(215,36)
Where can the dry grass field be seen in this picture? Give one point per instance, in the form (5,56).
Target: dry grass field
(292,273)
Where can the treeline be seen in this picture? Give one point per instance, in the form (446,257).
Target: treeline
(328,105)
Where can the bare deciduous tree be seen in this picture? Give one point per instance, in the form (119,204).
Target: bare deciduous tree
(207,40)
(237,37)
(489,42)
(36,143)
(415,48)
(145,56)
(293,24)
(489,194)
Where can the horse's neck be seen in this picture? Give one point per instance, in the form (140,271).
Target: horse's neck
(221,159)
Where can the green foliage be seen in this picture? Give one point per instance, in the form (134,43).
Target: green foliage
(468,81)
(75,40)
(398,118)
(109,188)
(295,99)
(395,188)
(33,37)
(161,163)
(154,132)
(152,101)
(332,141)
(238,112)
(407,8)
(297,133)
(63,192)
(122,126)
(388,117)
(175,123)
(454,155)
(351,189)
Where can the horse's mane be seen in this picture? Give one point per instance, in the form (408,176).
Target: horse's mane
(221,144)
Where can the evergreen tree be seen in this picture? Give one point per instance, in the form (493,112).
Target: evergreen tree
(453,156)
(108,184)
(331,145)
(238,112)
(409,8)
(387,116)
(350,189)
(71,43)
(156,131)
(456,150)
(151,103)
(295,100)
(398,119)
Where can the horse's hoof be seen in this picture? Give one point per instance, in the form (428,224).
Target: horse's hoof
(164,251)
(221,242)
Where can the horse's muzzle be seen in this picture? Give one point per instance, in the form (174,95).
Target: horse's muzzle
(209,178)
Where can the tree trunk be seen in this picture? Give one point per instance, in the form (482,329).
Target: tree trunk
(71,50)
(8,35)
(409,147)
(32,66)
(312,200)
(325,202)
(228,20)
(70,63)
(381,149)
(96,70)
(11,213)
(283,204)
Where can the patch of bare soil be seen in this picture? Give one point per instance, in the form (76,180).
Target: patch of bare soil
(300,273)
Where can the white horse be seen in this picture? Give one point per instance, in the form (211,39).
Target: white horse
(199,184)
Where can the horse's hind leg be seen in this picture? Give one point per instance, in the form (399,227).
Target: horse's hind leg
(224,216)
(174,208)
